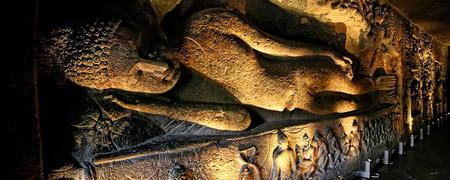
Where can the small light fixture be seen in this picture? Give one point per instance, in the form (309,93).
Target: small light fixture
(421,134)
(400,148)
(386,158)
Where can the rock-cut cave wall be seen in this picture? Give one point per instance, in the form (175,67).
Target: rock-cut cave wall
(257,89)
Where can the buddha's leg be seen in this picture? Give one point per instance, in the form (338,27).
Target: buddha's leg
(344,85)
(213,52)
(269,45)
(341,84)
(340,95)
(284,49)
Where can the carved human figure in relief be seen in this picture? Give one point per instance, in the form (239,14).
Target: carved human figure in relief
(254,67)
(305,154)
(344,142)
(355,140)
(371,138)
(365,136)
(379,129)
(333,147)
(268,72)
(321,152)
(249,171)
(283,164)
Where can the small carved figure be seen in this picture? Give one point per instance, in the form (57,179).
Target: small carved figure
(369,136)
(355,140)
(379,130)
(366,138)
(343,142)
(363,143)
(321,152)
(333,148)
(306,155)
(382,128)
(388,124)
(298,156)
(283,165)
(248,170)
(97,131)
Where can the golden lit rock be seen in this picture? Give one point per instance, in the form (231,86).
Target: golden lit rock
(261,89)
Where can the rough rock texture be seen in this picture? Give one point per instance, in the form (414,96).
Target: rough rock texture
(240,89)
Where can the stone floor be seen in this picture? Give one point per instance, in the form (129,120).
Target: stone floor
(429,159)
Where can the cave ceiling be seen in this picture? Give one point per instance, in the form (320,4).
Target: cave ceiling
(430,16)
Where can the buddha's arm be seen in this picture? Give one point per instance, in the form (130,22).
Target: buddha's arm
(223,117)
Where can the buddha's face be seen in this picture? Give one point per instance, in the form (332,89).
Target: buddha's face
(130,72)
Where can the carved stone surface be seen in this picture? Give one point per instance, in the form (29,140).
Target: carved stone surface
(242,89)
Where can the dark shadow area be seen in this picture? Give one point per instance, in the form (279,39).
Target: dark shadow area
(22,148)
(429,159)
(447,83)
(57,113)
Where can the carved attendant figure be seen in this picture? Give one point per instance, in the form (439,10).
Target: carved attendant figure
(343,142)
(372,138)
(307,166)
(365,139)
(321,152)
(283,165)
(355,140)
(333,147)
